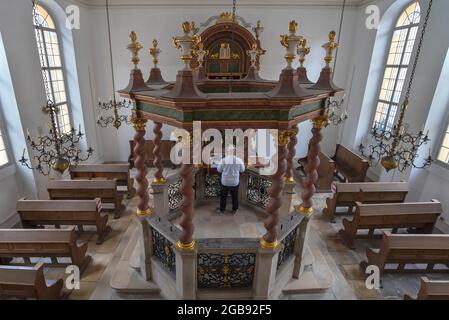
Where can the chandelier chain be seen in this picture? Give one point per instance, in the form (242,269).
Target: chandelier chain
(418,51)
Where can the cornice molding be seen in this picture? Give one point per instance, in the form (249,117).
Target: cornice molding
(224,4)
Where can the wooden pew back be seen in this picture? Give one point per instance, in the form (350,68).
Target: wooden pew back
(58,211)
(399,215)
(421,216)
(120,172)
(87,190)
(352,166)
(34,213)
(403,249)
(26,243)
(433,290)
(347,194)
(27,282)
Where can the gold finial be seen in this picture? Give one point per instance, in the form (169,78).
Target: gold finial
(154,52)
(320,122)
(284,40)
(330,47)
(134,47)
(293,26)
(302,51)
(186,27)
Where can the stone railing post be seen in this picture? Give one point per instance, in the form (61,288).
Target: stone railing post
(186,273)
(160,198)
(265,274)
(301,240)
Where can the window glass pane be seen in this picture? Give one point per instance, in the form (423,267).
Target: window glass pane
(444,151)
(398,59)
(3,155)
(49,51)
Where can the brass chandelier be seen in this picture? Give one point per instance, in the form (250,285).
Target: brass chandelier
(57,150)
(398,149)
(116,119)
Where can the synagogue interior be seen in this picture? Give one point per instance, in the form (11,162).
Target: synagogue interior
(224,150)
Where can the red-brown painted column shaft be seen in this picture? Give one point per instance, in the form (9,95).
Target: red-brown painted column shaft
(269,240)
(157,162)
(313,162)
(143,208)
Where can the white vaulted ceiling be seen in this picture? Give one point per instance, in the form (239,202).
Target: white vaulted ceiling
(222,3)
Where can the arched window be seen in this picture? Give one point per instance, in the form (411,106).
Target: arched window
(51,64)
(401,48)
(3,153)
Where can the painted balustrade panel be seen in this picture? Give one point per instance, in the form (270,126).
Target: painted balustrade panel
(174,195)
(257,190)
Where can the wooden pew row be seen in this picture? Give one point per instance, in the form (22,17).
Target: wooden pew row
(166,147)
(106,190)
(350,166)
(28,243)
(105,171)
(347,194)
(36,213)
(431,290)
(421,216)
(403,249)
(28,283)
(325,171)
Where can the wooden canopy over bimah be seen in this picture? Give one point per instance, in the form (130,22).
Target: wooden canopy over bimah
(249,102)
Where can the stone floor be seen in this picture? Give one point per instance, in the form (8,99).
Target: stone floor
(348,280)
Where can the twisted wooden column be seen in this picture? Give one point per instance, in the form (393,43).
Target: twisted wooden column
(143,208)
(157,162)
(186,241)
(269,240)
(313,162)
(292,133)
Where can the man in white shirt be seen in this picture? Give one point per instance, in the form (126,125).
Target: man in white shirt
(230,168)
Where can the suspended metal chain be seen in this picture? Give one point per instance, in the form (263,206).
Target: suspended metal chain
(418,51)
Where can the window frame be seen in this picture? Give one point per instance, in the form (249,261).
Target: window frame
(6,143)
(440,146)
(399,67)
(48,69)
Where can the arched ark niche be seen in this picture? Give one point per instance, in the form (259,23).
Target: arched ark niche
(240,40)
(376,70)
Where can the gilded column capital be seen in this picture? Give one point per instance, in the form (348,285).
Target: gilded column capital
(139,124)
(293,132)
(186,246)
(306,212)
(269,245)
(320,122)
(283,137)
(144,213)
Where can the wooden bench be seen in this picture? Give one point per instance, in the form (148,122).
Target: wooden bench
(403,249)
(28,283)
(325,171)
(105,171)
(35,213)
(421,216)
(431,290)
(28,243)
(106,190)
(346,195)
(350,166)
(166,147)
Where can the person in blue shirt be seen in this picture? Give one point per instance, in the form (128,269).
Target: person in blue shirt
(230,168)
